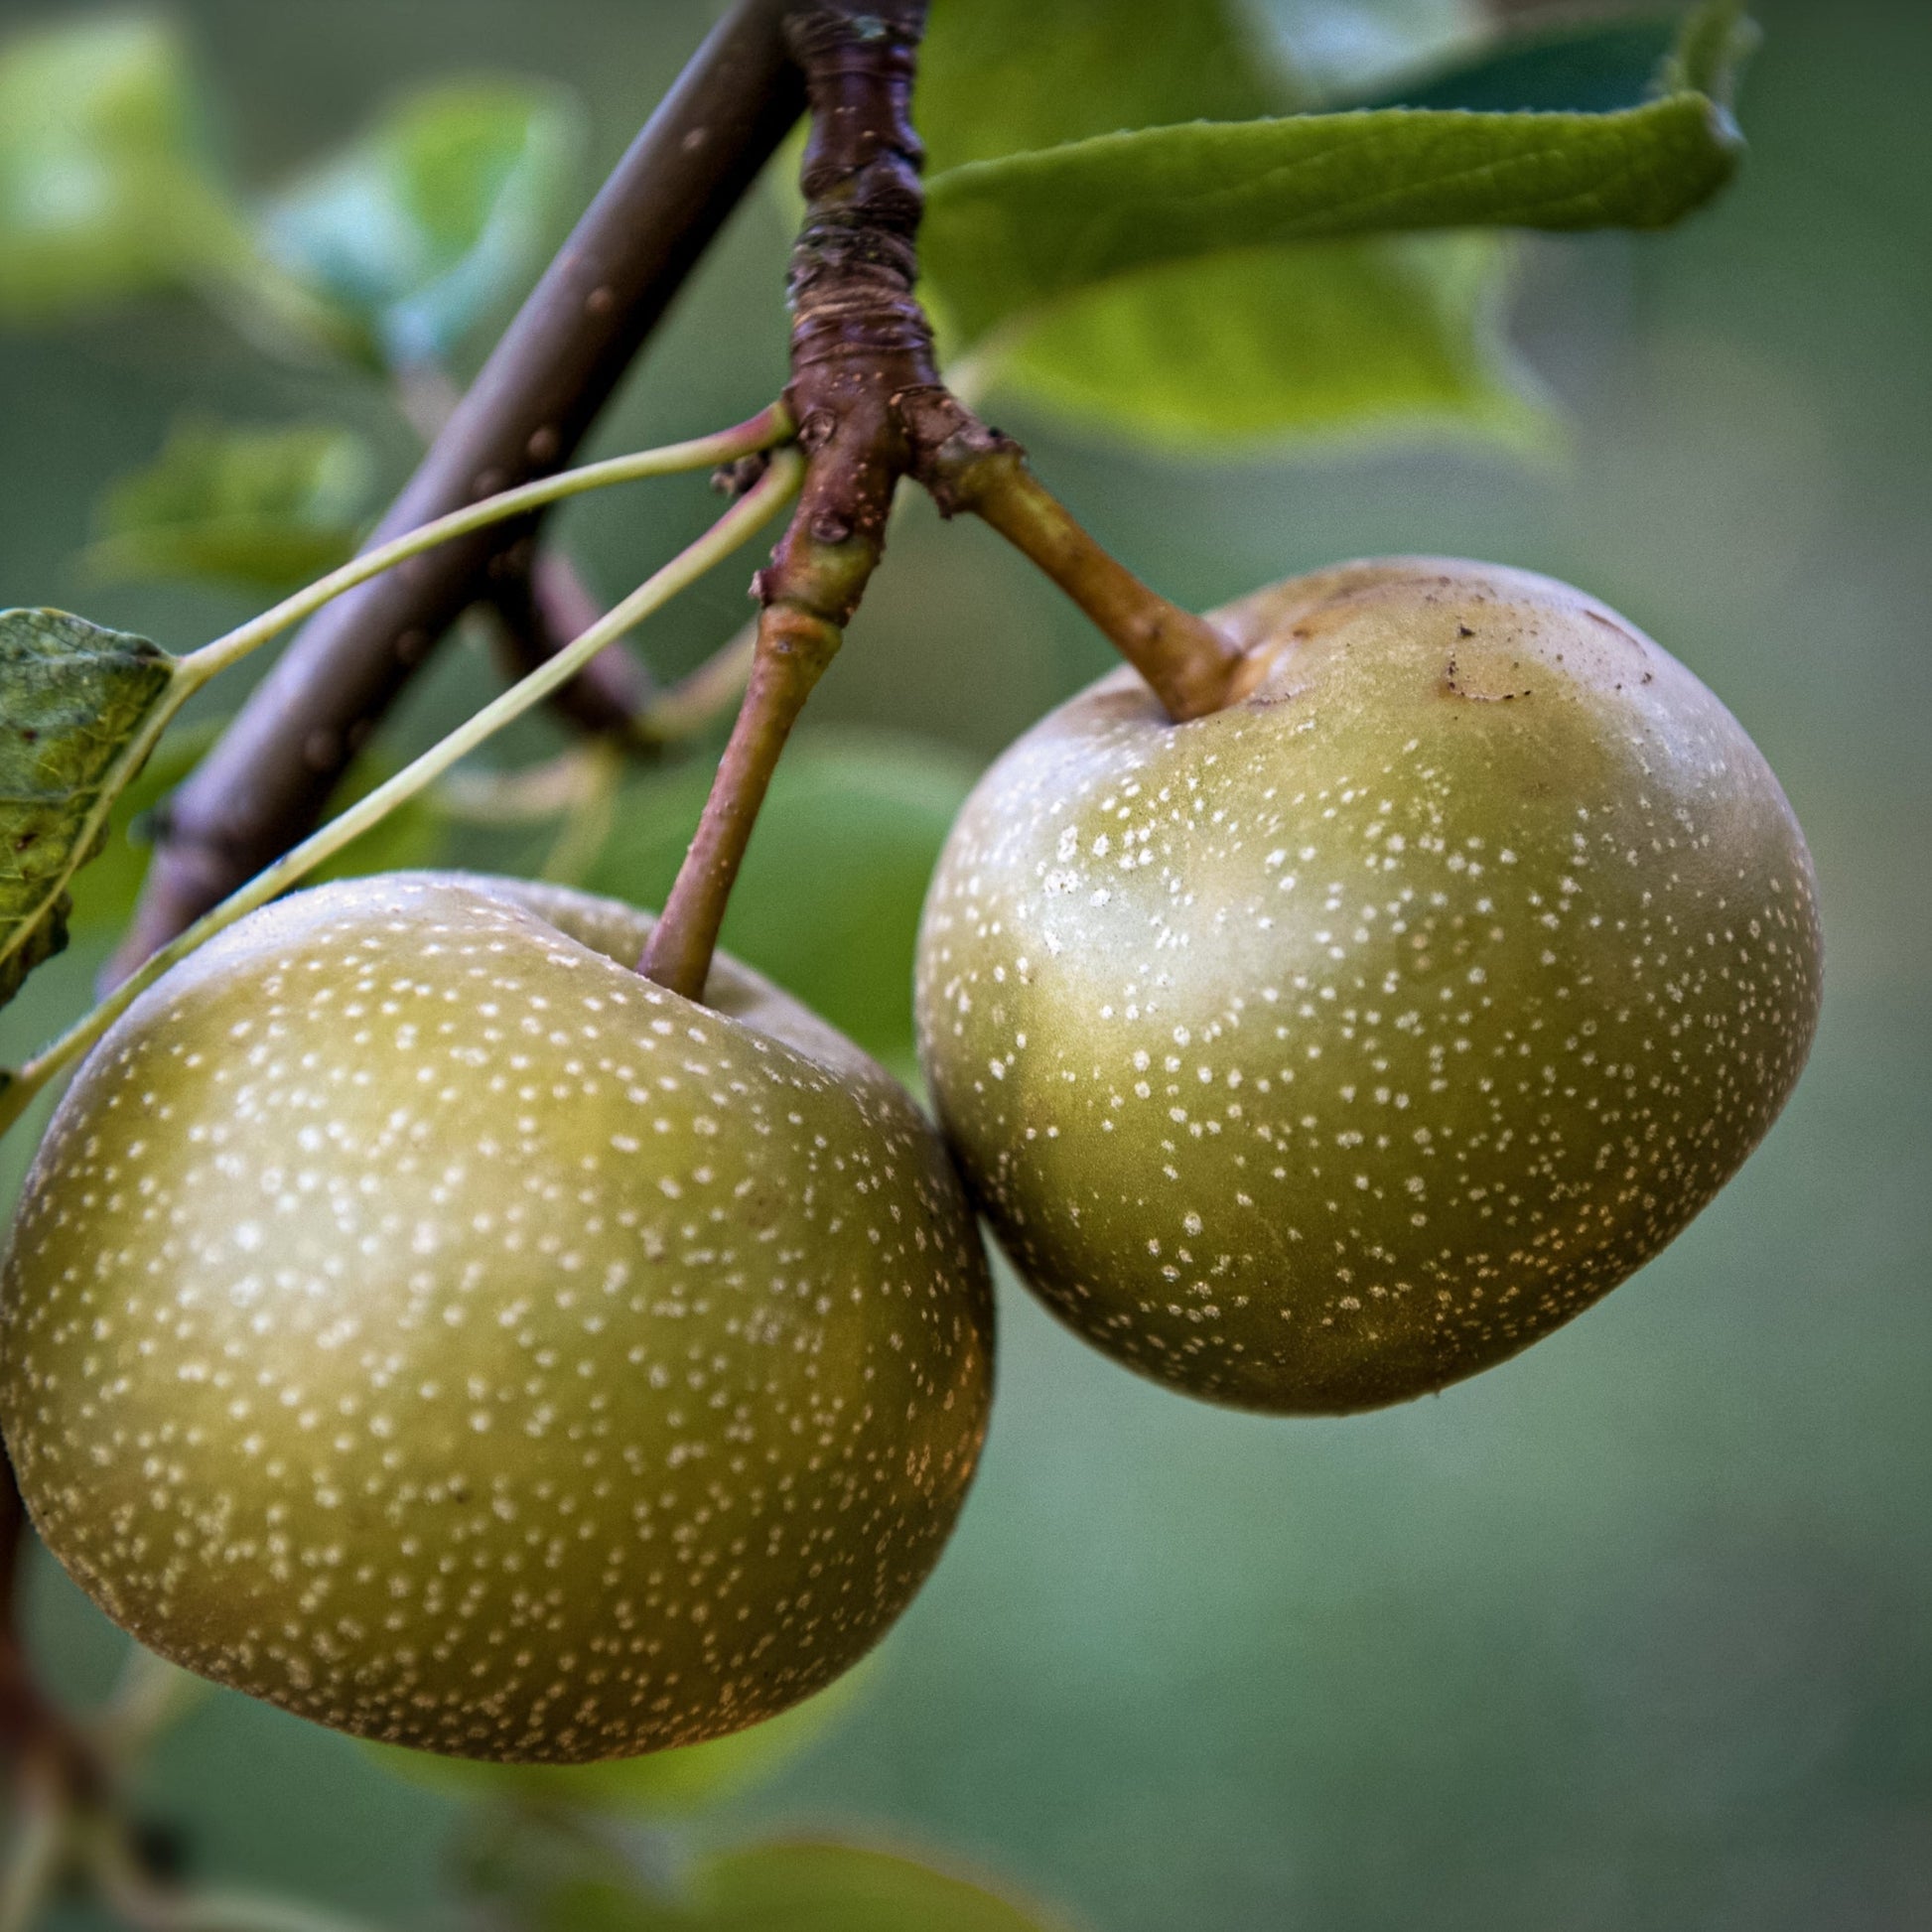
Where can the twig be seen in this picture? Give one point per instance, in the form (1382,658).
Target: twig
(533,594)
(732,530)
(268,780)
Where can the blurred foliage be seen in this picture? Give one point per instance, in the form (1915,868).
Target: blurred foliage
(791,1887)
(429,220)
(106,186)
(828,901)
(266,508)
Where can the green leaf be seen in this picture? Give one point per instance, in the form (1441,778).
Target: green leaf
(997,76)
(1009,236)
(1332,339)
(828,901)
(106,188)
(260,507)
(79,709)
(434,216)
(665,1784)
(801,1886)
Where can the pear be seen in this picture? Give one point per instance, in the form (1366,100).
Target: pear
(1338,1045)
(420,1321)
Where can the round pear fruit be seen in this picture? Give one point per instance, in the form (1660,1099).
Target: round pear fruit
(418,1320)
(1323,1051)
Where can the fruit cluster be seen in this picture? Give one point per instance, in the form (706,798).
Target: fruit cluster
(420,1319)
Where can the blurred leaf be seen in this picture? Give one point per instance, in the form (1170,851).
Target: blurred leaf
(262,508)
(828,901)
(661,1785)
(1340,44)
(1005,237)
(75,703)
(1332,338)
(435,214)
(997,76)
(105,191)
(795,1888)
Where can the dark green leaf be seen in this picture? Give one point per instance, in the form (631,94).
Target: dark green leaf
(997,76)
(663,1784)
(434,216)
(1330,340)
(828,901)
(77,707)
(1594,68)
(798,1887)
(1007,238)
(262,508)
(105,191)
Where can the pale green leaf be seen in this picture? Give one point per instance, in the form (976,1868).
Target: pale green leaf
(77,708)
(828,901)
(663,1784)
(997,76)
(801,1886)
(261,507)
(435,215)
(1007,238)
(1332,340)
(106,188)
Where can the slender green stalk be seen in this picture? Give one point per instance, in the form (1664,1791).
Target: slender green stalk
(192,671)
(760,432)
(732,530)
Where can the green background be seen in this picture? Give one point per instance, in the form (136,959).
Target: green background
(1634,1632)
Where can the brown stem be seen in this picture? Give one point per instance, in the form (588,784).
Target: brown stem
(860,343)
(1192,668)
(793,649)
(268,780)
(538,603)
(865,395)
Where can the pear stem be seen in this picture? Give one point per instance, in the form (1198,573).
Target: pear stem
(738,523)
(793,648)
(1192,668)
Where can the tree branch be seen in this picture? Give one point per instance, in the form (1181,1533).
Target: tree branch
(266,782)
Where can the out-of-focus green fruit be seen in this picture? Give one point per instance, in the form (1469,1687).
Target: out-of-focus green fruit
(1323,1051)
(420,1321)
